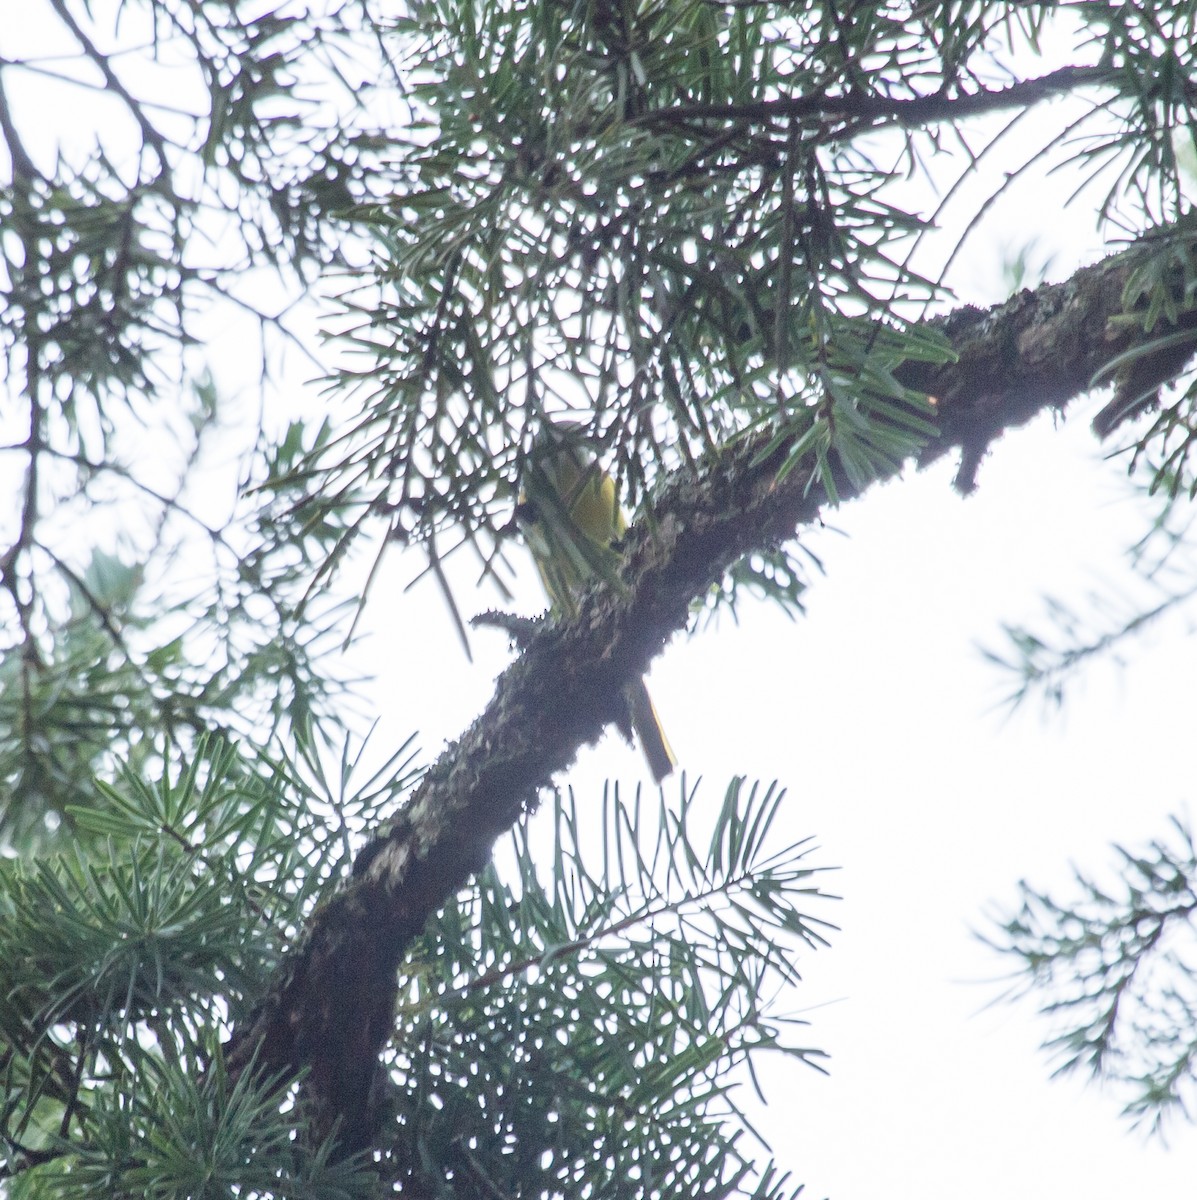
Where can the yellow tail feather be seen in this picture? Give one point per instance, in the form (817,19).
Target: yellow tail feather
(646,723)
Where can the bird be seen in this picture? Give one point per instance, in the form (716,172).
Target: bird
(572,523)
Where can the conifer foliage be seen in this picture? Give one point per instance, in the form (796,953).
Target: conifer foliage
(234,960)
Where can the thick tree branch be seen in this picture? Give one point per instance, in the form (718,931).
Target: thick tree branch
(331,1007)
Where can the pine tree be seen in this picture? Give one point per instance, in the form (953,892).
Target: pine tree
(233,959)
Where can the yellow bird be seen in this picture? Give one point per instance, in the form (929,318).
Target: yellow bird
(572,519)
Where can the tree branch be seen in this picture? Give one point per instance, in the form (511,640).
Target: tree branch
(24,169)
(112,82)
(851,106)
(331,1006)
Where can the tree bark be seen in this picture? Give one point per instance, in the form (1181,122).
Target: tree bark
(330,1008)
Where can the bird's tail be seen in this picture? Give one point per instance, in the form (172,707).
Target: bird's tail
(647,725)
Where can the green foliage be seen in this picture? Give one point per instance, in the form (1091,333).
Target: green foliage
(675,221)
(1044,662)
(125,219)
(123,961)
(773,574)
(584,1033)
(105,261)
(172,1133)
(571,239)
(1111,968)
(590,1009)
(679,221)
(98,670)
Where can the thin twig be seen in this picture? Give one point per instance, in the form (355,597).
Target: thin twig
(151,135)
(23,166)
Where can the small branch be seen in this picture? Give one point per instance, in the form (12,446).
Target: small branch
(920,110)
(10,562)
(23,167)
(82,1038)
(646,914)
(103,615)
(29,1158)
(518,629)
(167,502)
(113,81)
